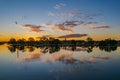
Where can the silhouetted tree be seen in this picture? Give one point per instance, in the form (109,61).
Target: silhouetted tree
(89,39)
(108,45)
(44,38)
(21,41)
(56,41)
(31,48)
(107,42)
(30,39)
(21,47)
(73,42)
(44,49)
(54,48)
(90,49)
(108,48)
(12,48)
(51,40)
(12,41)
(2,43)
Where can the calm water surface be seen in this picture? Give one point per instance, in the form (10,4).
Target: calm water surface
(58,63)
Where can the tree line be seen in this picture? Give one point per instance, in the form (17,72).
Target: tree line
(56,48)
(52,41)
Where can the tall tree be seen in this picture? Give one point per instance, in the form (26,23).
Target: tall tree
(12,41)
(89,39)
(30,39)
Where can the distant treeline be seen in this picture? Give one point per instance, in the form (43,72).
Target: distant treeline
(51,48)
(52,41)
(1,43)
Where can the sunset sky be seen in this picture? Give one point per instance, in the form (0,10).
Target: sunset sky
(75,19)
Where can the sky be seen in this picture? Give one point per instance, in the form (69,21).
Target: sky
(71,19)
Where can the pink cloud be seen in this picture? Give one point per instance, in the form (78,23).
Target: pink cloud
(101,27)
(31,57)
(61,27)
(56,57)
(73,36)
(70,24)
(33,28)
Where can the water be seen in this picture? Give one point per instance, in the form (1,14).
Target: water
(59,63)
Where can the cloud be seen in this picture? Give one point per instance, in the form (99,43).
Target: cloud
(71,14)
(102,57)
(62,14)
(86,16)
(50,25)
(58,6)
(92,22)
(70,23)
(61,27)
(82,18)
(44,36)
(92,59)
(51,14)
(77,49)
(31,57)
(76,23)
(33,28)
(67,14)
(56,57)
(101,27)
(73,36)
(82,60)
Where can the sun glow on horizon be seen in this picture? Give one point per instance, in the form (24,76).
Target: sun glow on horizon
(61,18)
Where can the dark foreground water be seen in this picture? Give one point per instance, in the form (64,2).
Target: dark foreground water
(59,63)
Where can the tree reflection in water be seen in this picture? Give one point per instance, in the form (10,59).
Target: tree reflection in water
(12,48)
(51,49)
(31,48)
(56,48)
(108,48)
(69,63)
(71,58)
(62,57)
